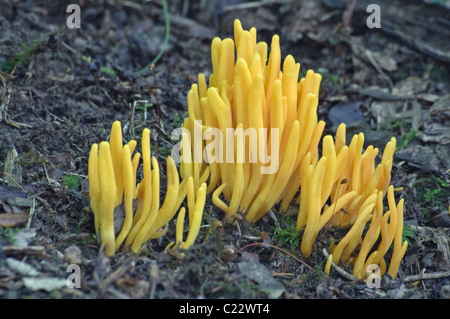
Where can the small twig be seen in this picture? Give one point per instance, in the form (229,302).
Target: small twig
(32,211)
(25,251)
(46,204)
(271,246)
(378,68)
(68,47)
(117,274)
(348,14)
(428,276)
(365,55)
(340,270)
(15,182)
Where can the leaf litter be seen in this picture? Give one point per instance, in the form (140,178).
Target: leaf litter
(58,98)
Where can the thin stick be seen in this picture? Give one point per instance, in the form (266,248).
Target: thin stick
(428,276)
(272,246)
(340,270)
(15,182)
(348,14)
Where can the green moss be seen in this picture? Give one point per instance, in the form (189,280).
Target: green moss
(71,181)
(8,234)
(406,138)
(286,235)
(432,194)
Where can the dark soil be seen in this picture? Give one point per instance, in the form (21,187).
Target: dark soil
(61,89)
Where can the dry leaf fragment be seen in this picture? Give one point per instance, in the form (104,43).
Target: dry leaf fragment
(47,284)
(11,220)
(13,171)
(21,268)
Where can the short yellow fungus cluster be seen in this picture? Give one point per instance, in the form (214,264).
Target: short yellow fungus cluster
(349,180)
(360,174)
(344,176)
(389,224)
(196,203)
(112,181)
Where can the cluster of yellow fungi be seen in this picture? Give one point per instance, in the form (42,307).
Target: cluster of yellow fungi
(247,90)
(347,178)
(339,186)
(112,181)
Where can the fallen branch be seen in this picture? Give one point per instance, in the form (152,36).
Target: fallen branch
(428,276)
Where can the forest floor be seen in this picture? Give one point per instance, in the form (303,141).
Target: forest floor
(62,88)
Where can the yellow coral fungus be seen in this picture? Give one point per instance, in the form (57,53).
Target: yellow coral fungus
(355,189)
(251,139)
(361,174)
(391,232)
(355,231)
(317,183)
(129,192)
(94,185)
(328,264)
(108,195)
(248,93)
(250,101)
(112,180)
(195,218)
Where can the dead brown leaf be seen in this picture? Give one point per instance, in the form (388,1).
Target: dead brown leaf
(12,220)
